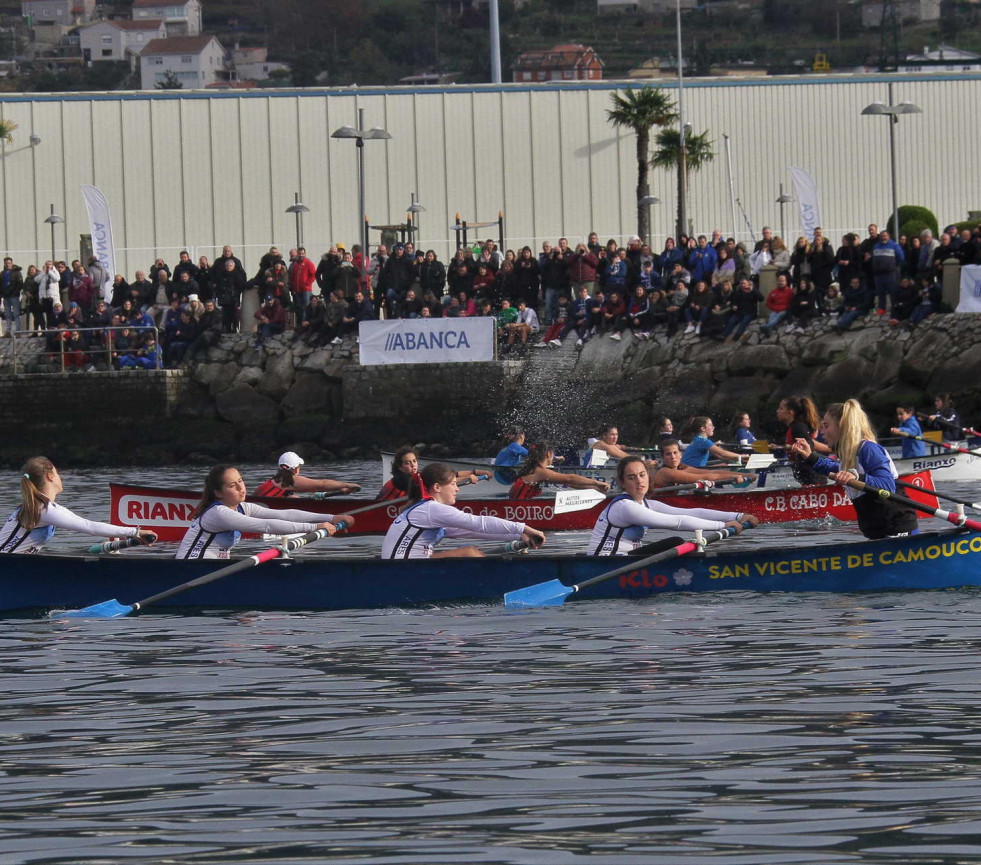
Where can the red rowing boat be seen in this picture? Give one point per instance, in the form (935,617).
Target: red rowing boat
(168,511)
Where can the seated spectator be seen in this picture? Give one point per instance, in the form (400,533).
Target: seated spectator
(611,312)
(725,268)
(75,357)
(485,284)
(700,300)
(907,299)
(209,330)
(124,342)
(745,308)
(778,303)
(930,295)
(805,306)
(468,308)
(596,311)
(719,312)
(411,307)
(179,339)
(657,310)
(270,319)
(637,315)
(507,316)
(561,326)
(358,310)
(831,300)
(855,302)
(143,356)
(526,325)
(677,300)
(336,309)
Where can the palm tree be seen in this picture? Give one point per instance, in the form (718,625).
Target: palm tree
(698,151)
(640,110)
(7,128)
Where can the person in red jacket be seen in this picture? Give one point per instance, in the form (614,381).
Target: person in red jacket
(582,270)
(303,275)
(778,302)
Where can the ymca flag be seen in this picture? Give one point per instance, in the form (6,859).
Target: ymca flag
(970,288)
(427,340)
(100,228)
(807,198)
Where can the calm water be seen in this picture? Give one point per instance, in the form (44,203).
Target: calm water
(732,729)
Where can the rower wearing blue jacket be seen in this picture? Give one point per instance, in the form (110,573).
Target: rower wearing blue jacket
(906,415)
(846,429)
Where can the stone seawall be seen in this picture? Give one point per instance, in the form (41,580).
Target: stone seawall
(243,403)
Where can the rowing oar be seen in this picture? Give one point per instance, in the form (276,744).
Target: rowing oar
(941,444)
(569,501)
(116,545)
(965,502)
(940,513)
(554,592)
(113,609)
(964,430)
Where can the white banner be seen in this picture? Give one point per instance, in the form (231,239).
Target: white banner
(100,227)
(807,198)
(427,340)
(970,288)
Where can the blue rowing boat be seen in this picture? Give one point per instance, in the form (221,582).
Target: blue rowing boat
(934,560)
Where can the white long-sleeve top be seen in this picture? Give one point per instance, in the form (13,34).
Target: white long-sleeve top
(212,534)
(621,526)
(15,538)
(420,527)
(49,284)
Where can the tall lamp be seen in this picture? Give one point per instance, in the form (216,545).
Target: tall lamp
(298,209)
(360,135)
(892,111)
(53,220)
(782,200)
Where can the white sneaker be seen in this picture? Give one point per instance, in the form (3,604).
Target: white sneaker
(698,330)
(540,345)
(555,343)
(579,343)
(789,329)
(689,329)
(615,336)
(645,334)
(336,341)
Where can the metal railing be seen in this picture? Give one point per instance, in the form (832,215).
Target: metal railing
(92,351)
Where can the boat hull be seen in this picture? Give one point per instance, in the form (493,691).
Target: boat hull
(929,561)
(167,511)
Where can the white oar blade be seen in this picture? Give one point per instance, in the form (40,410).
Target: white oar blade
(567,501)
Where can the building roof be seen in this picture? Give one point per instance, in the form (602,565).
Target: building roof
(126,24)
(143,4)
(558,57)
(179,45)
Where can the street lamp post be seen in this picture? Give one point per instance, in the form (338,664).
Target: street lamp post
(360,135)
(649,201)
(892,111)
(53,220)
(414,210)
(782,200)
(298,209)
(683,129)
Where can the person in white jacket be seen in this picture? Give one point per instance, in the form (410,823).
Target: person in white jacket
(48,291)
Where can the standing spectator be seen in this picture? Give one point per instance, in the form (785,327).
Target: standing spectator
(97,273)
(185,265)
(555,277)
(303,275)
(158,266)
(329,262)
(582,269)
(849,259)
(528,277)
(48,281)
(943,251)
(11,285)
(702,260)
(865,248)
(345,277)
(220,262)
(668,258)
(229,287)
(725,269)
(822,260)
(780,255)
(32,300)
(432,275)
(887,260)
(928,251)
(204,277)
(800,262)
(121,289)
(80,290)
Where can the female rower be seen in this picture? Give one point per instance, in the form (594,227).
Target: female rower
(430,516)
(223,515)
(801,417)
(511,455)
(741,431)
(405,464)
(31,525)
(288,481)
(536,472)
(701,447)
(674,471)
(623,522)
(608,443)
(847,429)
(945,418)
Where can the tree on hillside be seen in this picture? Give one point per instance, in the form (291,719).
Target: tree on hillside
(698,151)
(169,82)
(641,110)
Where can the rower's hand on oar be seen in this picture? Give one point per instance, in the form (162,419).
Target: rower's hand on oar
(146,537)
(801,447)
(749,521)
(341,522)
(533,537)
(843,477)
(347,489)
(602,486)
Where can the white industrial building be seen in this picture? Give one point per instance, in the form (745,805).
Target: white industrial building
(198,169)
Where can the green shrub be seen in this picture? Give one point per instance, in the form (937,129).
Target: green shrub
(913,219)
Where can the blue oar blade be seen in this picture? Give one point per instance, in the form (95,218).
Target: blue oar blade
(106,610)
(550,594)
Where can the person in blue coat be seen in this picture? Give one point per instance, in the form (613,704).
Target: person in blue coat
(888,259)
(908,424)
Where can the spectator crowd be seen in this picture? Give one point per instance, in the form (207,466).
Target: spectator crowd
(707,286)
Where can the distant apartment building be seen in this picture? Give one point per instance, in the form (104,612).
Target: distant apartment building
(118,39)
(561,63)
(195,61)
(905,10)
(624,6)
(252,64)
(943,58)
(68,13)
(181,19)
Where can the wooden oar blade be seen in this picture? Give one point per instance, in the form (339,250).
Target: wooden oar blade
(567,501)
(106,610)
(550,594)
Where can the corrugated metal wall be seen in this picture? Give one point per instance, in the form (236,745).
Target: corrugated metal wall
(199,170)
